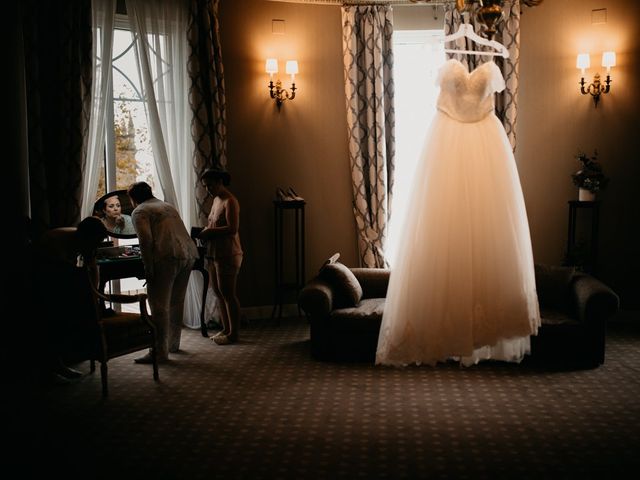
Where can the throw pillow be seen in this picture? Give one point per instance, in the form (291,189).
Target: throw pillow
(553,285)
(345,285)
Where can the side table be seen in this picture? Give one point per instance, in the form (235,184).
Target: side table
(296,207)
(582,237)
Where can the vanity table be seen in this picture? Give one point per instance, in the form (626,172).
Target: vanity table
(127,264)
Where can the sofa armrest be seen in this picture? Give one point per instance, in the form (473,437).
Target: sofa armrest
(594,301)
(316,298)
(374,281)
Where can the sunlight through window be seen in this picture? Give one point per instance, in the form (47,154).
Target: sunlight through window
(418,55)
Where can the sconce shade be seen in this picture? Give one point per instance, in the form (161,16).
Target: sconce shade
(292,67)
(272,65)
(609,59)
(583,61)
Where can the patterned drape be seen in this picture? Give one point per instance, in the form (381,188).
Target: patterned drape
(508,33)
(57,45)
(206,93)
(369,88)
(507,101)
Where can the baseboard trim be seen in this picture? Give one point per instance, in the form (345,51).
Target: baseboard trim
(265,311)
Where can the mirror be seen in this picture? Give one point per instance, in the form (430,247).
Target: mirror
(114,208)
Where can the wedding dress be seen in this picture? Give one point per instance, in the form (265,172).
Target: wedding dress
(462,286)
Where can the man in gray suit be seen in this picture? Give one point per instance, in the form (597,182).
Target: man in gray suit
(168,254)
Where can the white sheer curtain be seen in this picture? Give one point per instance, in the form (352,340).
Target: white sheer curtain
(103,15)
(162,51)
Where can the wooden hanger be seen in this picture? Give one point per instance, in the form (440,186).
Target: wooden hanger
(466,30)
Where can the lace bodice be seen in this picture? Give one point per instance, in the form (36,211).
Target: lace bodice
(468,97)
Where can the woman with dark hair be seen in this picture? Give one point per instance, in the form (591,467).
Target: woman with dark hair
(61,256)
(114,219)
(224,252)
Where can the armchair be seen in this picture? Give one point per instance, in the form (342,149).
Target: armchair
(575,308)
(350,333)
(105,334)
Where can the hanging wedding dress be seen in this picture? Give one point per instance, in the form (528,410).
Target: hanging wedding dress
(462,286)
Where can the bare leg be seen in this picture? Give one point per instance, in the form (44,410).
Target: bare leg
(224,316)
(227,286)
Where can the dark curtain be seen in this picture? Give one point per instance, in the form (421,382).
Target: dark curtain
(57,46)
(206,93)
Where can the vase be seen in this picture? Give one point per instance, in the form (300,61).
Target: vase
(585,195)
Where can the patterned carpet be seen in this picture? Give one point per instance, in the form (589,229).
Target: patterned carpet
(263,409)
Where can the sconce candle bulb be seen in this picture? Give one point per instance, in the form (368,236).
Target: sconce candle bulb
(276,91)
(596,88)
(609,60)
(292,69)
(271,67)
(583,62)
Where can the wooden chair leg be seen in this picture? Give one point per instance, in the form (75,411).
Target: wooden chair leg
(103,375)
(154,357)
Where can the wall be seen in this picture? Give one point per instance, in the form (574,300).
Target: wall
(555,121)
(305,144)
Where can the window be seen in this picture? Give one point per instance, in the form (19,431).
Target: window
(129,157)
(418,55)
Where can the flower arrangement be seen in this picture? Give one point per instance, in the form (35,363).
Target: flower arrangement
(590,176)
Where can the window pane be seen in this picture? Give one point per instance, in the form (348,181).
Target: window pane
(418,56)
(133,153)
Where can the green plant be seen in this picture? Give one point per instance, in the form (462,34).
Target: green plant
(590,176)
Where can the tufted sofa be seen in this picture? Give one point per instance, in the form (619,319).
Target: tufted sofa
(574,308)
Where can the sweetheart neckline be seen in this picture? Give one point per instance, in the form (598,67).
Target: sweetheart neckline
(466,69)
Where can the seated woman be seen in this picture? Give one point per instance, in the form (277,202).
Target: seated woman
(58,255)
(114,219)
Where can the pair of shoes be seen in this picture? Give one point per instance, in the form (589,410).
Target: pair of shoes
(289,196)
(224,340)
(148,359)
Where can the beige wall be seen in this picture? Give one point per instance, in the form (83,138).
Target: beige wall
(305,144)
(555,121)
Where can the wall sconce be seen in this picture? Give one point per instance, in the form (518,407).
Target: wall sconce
(276,91)
(596,88)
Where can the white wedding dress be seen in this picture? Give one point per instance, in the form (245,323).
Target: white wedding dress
(462,286)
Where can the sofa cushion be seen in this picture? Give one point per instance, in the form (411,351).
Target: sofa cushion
(343,282)
(553,317)
(553,284)
(365,317)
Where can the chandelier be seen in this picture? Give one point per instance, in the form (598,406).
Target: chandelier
(488,12)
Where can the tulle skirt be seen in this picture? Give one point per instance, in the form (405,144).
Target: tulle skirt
(462,286)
